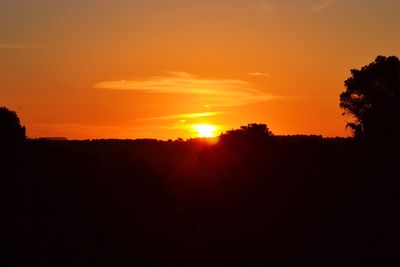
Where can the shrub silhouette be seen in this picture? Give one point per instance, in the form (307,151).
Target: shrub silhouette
(11,130)
(372,98)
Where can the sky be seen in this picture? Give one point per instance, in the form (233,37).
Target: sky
(159,68)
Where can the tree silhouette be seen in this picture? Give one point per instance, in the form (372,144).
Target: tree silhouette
(11,130)
(372,98)
(255,129)
(251,132)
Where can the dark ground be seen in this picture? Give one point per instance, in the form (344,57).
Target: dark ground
(276,201)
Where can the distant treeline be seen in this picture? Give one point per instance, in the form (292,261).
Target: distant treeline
(249,200)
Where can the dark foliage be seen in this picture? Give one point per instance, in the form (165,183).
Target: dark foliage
(372,98)
(11,130)
(251,133)
(252,130)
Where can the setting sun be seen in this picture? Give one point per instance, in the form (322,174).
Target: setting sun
(205,130)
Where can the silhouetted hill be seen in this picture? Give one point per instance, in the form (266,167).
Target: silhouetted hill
(246,201)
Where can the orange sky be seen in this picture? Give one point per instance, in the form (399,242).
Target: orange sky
(154,68)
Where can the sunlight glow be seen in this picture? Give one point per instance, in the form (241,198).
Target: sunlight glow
(205,130)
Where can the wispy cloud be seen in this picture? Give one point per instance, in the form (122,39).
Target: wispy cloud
(76,130)
(260,74)
(270,10)
(216,92)
(182,117)
(267,7)
(21,46)
(320,7)
(78,126)
(11,46)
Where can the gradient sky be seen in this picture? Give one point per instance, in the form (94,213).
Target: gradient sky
(153,68)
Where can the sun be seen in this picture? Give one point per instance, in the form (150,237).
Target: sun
(205,130)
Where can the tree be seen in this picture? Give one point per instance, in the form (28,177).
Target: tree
(11,130)
(252,132)
(372,99)
(255,129)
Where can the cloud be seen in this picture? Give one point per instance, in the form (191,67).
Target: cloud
(71,130)
(78,126)
(180,122)
(21,46)
(267,7)
(11,46)
(278,11)
(318,8)
(216,92)
(182,117)
(270,10)
(262,74)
